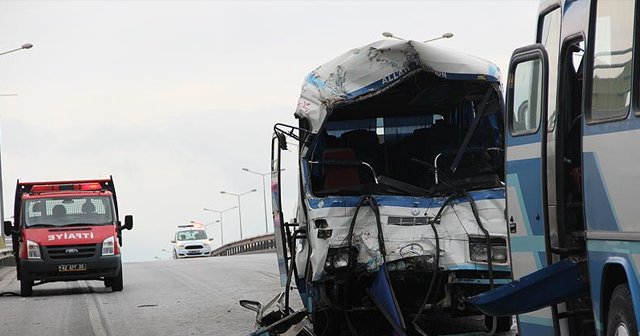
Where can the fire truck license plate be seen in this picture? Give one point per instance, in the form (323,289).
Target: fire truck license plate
(72,268)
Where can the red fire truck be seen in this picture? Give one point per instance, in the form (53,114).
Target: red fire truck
(65,231)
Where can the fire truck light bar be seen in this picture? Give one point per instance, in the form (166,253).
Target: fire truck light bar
(66,187)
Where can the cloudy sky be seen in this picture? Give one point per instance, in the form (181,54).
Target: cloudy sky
(173,98)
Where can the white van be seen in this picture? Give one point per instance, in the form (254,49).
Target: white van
(191,241)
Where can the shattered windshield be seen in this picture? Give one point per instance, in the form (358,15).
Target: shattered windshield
(411,139)
(68,210)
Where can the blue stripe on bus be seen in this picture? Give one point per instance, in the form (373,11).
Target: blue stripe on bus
(480,267)
(526,328)
(522,140)
(316,81)
(629,124)
(534,320)
(600,213)
(527,178)
(402,201)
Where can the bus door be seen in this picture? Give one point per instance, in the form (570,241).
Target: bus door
(526,173)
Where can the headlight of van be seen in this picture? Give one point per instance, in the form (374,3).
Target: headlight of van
(108,246)
(33,250)
(478,249)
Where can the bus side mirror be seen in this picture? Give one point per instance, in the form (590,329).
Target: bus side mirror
(128,222)
(8,228)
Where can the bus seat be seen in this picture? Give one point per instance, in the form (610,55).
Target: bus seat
(338,177)
(365,144)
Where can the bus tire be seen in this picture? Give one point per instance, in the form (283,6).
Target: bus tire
(504,323)
(621,319)
(26,287)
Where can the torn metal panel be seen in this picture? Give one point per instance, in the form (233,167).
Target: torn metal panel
(372,68)
(402,241)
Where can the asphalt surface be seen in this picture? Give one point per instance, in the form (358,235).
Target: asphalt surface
(170,297)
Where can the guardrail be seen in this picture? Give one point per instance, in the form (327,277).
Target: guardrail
(249,245)
(6,257)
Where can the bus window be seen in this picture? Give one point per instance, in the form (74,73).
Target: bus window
(525,117)
(612,60)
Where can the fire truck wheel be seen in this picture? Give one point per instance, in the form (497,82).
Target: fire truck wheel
(26,287)
(504,323)
(621,320)
(116,282)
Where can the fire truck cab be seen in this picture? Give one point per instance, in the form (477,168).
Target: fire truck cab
(66,231)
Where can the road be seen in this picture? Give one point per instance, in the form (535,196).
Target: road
(171,297)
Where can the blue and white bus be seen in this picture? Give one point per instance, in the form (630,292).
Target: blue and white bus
(573,123)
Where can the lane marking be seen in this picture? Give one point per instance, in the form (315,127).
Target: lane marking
(98,327)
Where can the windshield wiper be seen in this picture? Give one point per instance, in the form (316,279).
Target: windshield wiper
(42,225)
(83,224)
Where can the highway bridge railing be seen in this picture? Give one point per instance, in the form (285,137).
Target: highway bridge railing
(262,243)
(6,257)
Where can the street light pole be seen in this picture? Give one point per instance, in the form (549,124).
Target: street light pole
(24,46)
(220,212)
(264,195)
(239,206)
(443,36)
(2,243)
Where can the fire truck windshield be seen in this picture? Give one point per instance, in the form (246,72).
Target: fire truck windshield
(68,210)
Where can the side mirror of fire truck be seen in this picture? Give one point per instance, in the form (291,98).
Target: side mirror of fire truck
(128,222)
(9,229)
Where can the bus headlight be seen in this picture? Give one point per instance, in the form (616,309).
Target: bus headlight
(33,250)
(499,254)
(478,249)
(108,246)
(339,258)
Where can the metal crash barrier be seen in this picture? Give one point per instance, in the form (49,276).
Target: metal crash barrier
(6,257)
(249,245)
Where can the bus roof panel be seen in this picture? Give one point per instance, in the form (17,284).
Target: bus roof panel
(368,70)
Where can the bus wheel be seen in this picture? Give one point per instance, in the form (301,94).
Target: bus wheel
(621,320)
(26,287)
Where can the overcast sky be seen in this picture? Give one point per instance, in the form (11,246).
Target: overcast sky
(173,98)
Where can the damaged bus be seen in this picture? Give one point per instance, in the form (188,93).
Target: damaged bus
(400,147)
